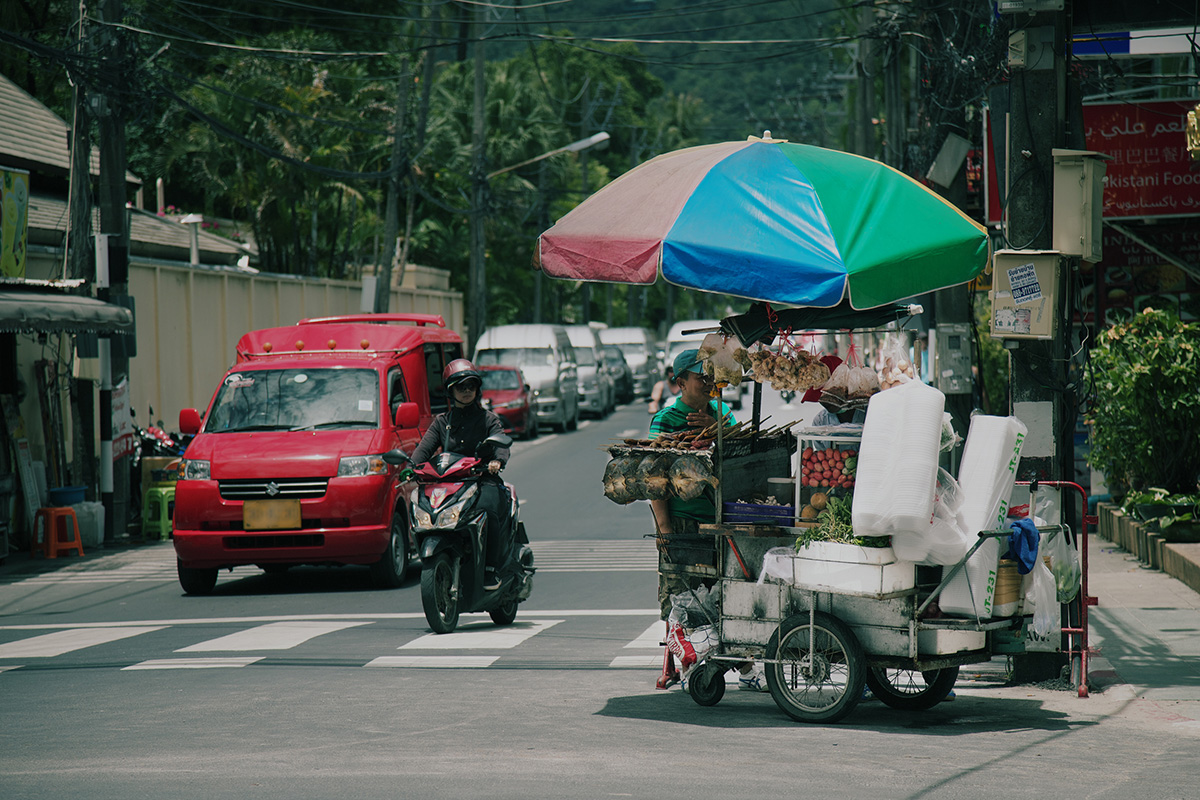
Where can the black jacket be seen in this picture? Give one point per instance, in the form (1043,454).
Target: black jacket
(460,430)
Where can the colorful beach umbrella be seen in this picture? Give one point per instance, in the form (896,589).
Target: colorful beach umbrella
(769,220)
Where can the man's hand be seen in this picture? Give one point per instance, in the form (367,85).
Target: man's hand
(700,419)
(494,467)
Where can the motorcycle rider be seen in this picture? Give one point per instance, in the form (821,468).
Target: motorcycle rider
(461,429)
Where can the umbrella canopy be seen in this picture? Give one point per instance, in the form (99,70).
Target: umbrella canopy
(769,220)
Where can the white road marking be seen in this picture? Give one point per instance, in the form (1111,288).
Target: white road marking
(65,641)
(485,637)
(651,637)
(636,662)
(275,636)
(630,433)
(195,663)
(11,666)
(560,612)
(434,662)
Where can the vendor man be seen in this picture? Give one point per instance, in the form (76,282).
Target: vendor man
(677,522)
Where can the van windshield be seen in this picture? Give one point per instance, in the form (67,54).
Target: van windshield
(501,379)
(515,356)
(296,400)
(633,348)
(585,356)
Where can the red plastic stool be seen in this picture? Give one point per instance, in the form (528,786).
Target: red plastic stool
(56,530)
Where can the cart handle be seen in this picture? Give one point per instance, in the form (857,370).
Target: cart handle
(983,537)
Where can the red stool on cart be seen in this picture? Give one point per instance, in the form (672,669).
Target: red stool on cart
(56,530)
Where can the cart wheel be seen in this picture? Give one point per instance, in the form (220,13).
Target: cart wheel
(706,684)
(815,671)
(910,689)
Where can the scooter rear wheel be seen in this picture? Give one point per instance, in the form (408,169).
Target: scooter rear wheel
(437,594)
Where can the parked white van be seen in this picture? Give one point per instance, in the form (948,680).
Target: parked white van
(638,348)
(679,338)
(546,357)
(596,394)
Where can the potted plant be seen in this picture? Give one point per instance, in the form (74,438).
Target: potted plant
(1142,407)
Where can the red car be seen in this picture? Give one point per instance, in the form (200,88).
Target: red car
(507,394)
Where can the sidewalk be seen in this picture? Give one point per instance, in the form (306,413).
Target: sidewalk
(1145,627)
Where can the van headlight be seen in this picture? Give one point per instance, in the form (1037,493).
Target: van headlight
(193,469)
(360,466)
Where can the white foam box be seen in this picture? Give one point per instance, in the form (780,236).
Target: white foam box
(944,642)
(836,567)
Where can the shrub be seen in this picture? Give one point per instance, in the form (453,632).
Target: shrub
(1145,380)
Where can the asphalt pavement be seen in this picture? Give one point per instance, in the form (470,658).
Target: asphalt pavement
(1144,631)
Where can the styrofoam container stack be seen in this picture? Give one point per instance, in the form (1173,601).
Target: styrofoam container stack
(898,460)
(985,477)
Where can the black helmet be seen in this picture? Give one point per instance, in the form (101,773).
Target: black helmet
(459,370)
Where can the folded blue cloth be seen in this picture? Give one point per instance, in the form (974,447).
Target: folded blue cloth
(1023,544)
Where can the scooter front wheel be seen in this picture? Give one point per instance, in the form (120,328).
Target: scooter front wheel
(438,597)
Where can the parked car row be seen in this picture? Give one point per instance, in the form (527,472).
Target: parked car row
(565,372)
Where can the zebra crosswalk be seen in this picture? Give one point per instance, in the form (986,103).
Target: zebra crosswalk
(156,563)
(476,645)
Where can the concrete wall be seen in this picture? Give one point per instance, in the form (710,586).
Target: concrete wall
(188,322)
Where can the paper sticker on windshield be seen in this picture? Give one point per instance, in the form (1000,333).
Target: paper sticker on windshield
(366,405)
(301,378)
(237,381)
(1024,283)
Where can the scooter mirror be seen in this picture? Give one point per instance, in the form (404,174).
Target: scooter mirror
(397,457)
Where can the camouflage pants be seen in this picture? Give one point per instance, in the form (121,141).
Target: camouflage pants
(684,547)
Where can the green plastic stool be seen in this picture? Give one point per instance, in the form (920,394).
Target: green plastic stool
(158,505)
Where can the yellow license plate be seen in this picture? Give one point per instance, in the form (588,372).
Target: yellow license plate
(271,515)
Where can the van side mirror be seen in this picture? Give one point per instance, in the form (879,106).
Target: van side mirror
(189,420)
(407,415)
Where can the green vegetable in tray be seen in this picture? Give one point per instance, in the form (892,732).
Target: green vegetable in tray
(834,524)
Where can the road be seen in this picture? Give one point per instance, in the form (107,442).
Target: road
(313,685)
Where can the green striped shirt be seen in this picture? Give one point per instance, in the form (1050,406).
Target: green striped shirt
(672,418)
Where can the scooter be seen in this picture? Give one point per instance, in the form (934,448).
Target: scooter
(449,532)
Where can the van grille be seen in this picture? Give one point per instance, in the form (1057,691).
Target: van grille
(295,488)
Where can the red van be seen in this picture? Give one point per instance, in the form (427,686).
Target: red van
(286,467)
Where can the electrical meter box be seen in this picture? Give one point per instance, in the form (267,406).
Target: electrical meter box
(952,359)
(1024,294)
(1079,203)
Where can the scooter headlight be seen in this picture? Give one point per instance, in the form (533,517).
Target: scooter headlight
(421,520)
(447,517)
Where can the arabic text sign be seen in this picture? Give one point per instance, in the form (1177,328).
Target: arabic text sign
(1024,282)
(1149,173)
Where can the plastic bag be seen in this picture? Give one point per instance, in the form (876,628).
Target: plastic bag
(702,640)
(1064,564)
(897,367)
(777,564)
(1041,597)
(694,608)
(950,437)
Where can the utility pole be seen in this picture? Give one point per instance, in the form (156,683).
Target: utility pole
(1038,122)
(391,228)
(115,235)
(477,270)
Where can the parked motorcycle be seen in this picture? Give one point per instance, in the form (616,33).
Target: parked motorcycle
(449,532)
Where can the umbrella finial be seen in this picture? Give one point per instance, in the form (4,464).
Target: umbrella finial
(766,137)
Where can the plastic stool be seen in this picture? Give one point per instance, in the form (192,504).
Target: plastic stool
(56,530)
(157,506)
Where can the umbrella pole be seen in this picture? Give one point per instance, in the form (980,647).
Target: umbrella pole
(720,458)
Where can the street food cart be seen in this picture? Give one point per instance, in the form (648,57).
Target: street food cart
(814,238)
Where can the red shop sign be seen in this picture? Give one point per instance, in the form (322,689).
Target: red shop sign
(1150,172)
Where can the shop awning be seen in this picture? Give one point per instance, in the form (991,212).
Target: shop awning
(49,312)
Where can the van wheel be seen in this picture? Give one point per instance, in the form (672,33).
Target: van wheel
(196,580)
(388,572)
